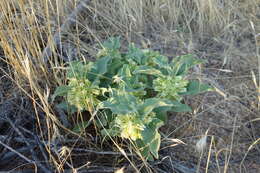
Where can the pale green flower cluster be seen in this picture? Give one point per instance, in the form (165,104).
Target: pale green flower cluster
(170,87)
(102,52)
(82,94)
(130,126)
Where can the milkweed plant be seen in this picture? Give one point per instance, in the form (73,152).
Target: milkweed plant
(132,92)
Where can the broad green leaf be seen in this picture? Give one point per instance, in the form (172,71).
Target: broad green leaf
(147,70)
(183,63)
(135,54)
(112,43)
(155,124)
(151,137)
(161,113)
(179,107)
(80,127)
(161,61)
(150,104)
(121,104)
(195,87)
(150,142)
(143,149)
(114,66)
(148,134)
(117,108)
(61,91)
(155,145)
(101,65)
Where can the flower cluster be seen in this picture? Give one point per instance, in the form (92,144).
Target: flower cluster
(170,87)
(82,94)
(130,126)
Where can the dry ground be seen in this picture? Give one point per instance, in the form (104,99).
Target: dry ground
(38,37)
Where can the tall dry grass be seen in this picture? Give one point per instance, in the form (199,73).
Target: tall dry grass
(26,26)
(200,16)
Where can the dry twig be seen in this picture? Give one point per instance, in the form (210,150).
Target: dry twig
(69,22)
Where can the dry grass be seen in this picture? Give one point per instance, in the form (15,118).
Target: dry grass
(224,32)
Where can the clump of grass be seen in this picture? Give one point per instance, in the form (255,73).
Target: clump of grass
(206,16)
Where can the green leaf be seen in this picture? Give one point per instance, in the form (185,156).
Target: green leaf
(135,54)
(115,65)
(78,70)
(161,61)
(121,104)
(109,132)
(112,43)
(148,134)
(101,65)
(195,87)
(143,149)
(161,113)
(155,145)
(124,71)
(151,137)
(81,127)
(150,104)
(60,91)
(183,63)
(120,108)
(147,70)
(179,107)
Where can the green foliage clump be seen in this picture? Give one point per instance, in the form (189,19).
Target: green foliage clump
(136,89)
(170,87)
(130,126)
(82,93)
